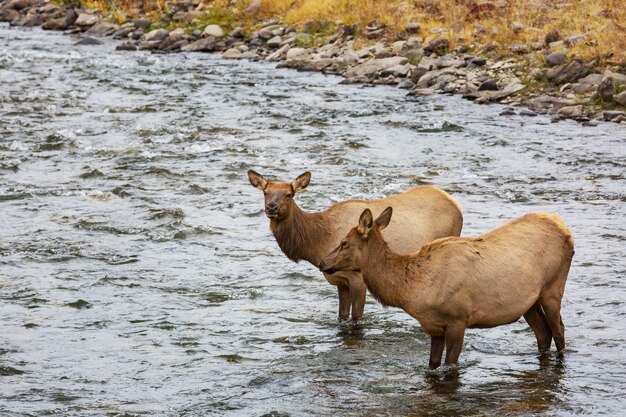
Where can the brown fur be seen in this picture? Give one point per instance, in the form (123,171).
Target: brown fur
(423,214)
(456,283)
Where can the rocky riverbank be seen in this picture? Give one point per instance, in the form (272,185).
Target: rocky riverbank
(423,65)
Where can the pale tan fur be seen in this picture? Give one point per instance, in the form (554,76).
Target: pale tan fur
(456,283)
(422,215)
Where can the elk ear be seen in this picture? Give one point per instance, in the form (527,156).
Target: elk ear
(257,180)
(365,222)
(301,182)
(385,217)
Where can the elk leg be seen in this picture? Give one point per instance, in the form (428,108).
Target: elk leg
(437,344)
(552,309)
(357,295)
(537,322)
(455,332)
(344,302)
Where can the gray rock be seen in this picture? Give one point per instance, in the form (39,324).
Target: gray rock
(265,34)
(157,35)
(103,28)
(294,53)
(372,67)
(127,46)
(149,45)
(89,41)
(136,34)
(450,60)
(620,98)
(567,73)
(509,90)
(309,64)
(428,63)
(412,27)
(610,115)
(606,89)
(588,83)
(437,45)
(278,55)
(85,19)
(527,113)
(406,84)
(232,53)
(619,80)
(30,20)
(535,74)
(55,24)
(274,42)
(476,62)
(569,112)
(213,30)
(9,15)
(238,33)
(555,58)
(122,33)
(201,45)
(435,79)
(508,111)
(488,85)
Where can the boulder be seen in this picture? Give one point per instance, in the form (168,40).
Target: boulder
(86,19)
(555,58)
(232,53)
(437,45)
(278,55)
(157,35)
(213,30)
(274,42)
(567,73)
(588,83)
(294,53)
(620,98)
(610,115)
(265,34)
(103,28)
(127,46)
(488,85)
(569,112)
(370,68)
(201,45)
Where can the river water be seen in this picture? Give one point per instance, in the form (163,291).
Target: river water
(138,275)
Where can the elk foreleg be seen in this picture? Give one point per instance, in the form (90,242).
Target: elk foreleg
(437,343)
(455,332)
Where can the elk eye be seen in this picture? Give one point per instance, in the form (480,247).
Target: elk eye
(289,195)
(344,245)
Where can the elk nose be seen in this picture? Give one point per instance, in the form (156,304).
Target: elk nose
(272,208)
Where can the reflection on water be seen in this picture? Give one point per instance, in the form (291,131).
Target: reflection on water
(138,275)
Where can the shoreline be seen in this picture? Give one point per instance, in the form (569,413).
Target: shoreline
(565,89)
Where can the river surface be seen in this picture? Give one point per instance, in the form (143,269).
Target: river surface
(138,275)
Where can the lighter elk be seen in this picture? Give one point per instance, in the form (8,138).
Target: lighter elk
(310,236)
(456,283)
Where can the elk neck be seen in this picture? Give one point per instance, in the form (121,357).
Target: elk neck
(387,275)
(303,236)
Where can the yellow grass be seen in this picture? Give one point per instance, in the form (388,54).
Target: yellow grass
(603,21)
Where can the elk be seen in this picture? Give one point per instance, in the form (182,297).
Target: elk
(456,283)
(310,236)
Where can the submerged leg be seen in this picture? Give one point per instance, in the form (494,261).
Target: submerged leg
(357,295)
(437,344)
(552,309)
(455,332)
(344,302)
(537,322)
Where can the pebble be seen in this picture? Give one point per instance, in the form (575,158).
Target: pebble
(526,112)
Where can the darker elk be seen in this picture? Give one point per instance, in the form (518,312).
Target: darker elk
(423,214)
(455,283)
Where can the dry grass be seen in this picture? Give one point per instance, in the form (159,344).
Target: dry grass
(499,24)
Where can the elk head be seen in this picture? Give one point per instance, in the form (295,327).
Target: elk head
(351,252)
(279,202)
